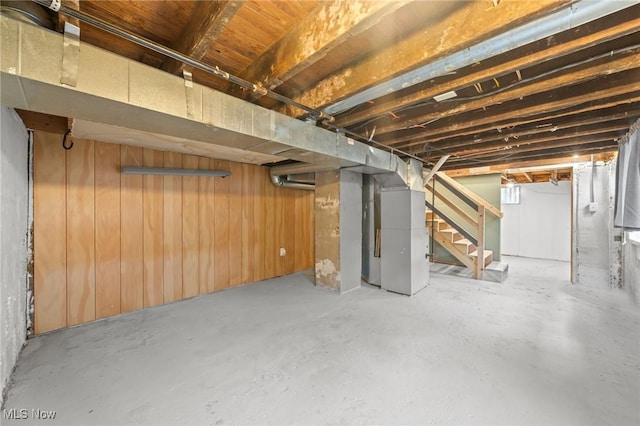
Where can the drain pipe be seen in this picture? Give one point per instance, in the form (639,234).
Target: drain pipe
(283,182)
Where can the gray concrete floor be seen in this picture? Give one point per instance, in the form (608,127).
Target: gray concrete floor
(533,350)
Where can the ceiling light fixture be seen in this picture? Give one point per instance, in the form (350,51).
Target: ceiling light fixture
(445,96)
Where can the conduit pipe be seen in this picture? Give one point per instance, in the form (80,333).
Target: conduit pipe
(576,14)
(116,101)
(284,182)
(174,54)
(316,114)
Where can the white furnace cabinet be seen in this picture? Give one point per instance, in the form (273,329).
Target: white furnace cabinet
(404,245)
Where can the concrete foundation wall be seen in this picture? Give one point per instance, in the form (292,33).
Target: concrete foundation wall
(338,230)
(631,266)
(327,226)
(540,226)
(596,244)
(14,205)
(350,230)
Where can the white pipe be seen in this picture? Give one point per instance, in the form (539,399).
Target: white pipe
(173,172)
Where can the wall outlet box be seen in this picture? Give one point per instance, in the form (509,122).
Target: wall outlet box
(593,207)
(283,251)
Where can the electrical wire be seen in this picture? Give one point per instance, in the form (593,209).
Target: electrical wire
(369,140)
(501,89)
(316,114)
(508,87)
(171,53)
(545,74)
(174,54)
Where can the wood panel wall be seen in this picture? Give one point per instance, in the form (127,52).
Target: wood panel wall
(107,243)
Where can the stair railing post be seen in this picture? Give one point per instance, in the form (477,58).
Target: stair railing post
(480,259)
(432,246)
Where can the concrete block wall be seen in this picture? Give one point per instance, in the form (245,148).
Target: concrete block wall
(596,244)
(338,230)
(631,265)
(14,214)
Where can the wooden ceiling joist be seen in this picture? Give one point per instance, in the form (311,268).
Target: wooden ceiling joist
(62,18)
(43,122)
(510,115)
(619,126)
(314,36)
(517,166)
(417,74)
(610,137)
(438,40)
(589,149)
(571,41)
(625,62)
(208,20)
(540,128)
(619,105)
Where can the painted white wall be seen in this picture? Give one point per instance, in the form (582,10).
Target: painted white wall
(540,226)
(14,193)
(596,249)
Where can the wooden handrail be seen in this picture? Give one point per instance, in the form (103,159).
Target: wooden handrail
(479,269)
(480,205)
(470,195)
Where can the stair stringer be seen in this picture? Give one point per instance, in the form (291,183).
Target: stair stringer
(452,248)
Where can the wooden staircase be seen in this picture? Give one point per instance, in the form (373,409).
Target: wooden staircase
(452,240)
(450,205)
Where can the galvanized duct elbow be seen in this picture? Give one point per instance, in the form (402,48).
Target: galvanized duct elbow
(283,182)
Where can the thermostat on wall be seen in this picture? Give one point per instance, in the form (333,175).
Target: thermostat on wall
(593,207)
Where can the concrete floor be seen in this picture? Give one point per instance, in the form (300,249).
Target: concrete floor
(533,350)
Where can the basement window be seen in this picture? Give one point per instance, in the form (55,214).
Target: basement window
(510,194)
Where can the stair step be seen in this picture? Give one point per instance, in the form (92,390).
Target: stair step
(439,224)
(487,253)
(443,226)
(496,272)
(488,256)
(468,245)
(455,235)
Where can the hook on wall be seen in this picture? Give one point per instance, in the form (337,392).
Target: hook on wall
(64,140)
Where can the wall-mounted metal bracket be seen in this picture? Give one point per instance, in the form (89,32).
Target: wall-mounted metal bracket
(188,90)
(71,54)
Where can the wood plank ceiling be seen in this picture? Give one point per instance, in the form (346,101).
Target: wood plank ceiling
(573,93)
